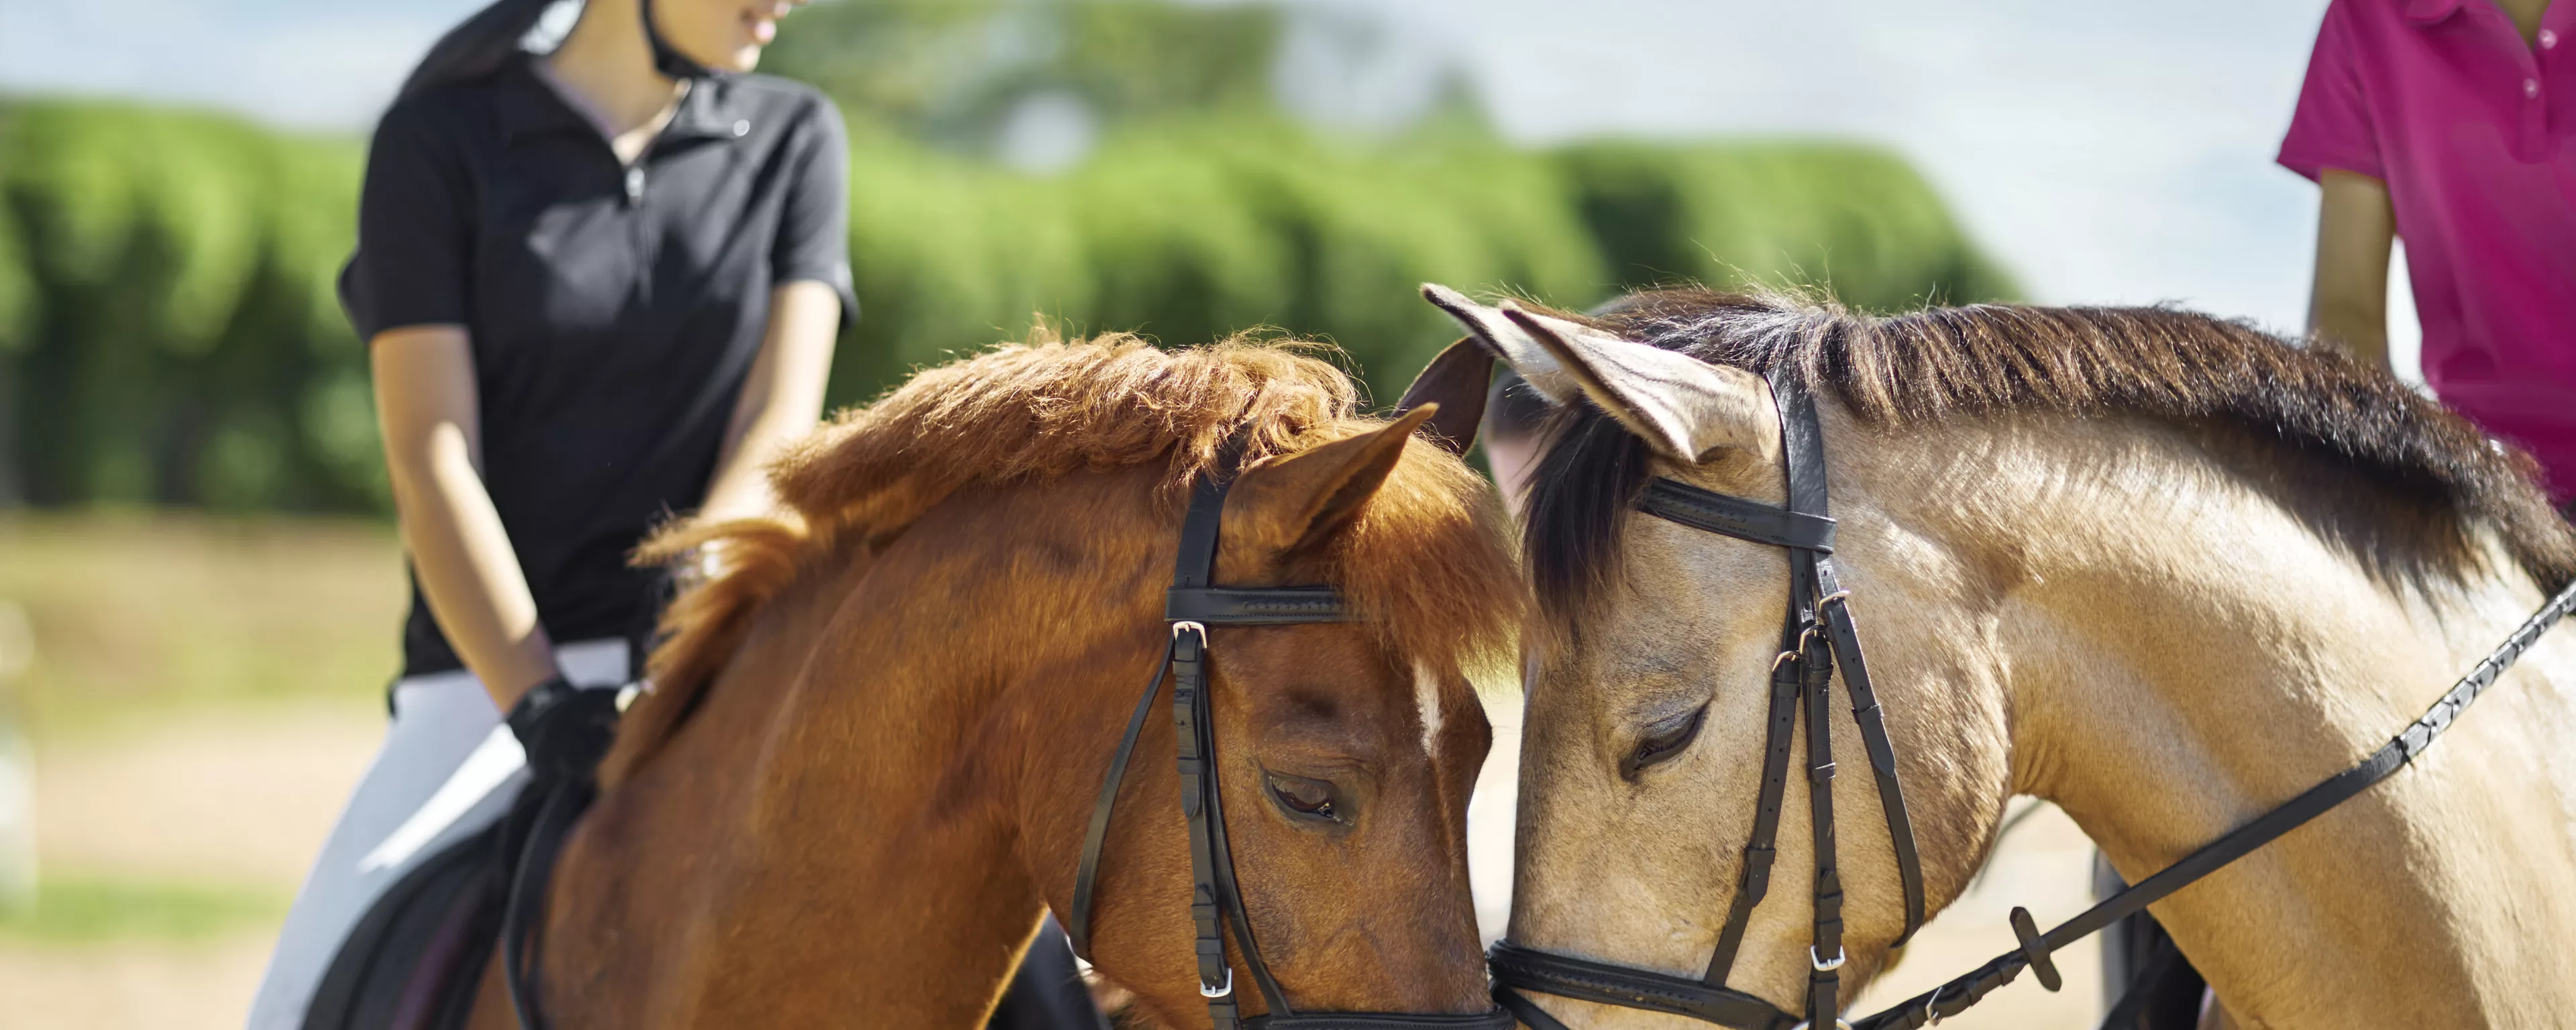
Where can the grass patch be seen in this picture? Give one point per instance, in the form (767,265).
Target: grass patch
(87,910)
(134,613)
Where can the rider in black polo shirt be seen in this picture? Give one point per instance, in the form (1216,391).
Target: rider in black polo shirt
(599,287)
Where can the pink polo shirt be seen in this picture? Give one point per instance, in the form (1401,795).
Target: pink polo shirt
(2474,132)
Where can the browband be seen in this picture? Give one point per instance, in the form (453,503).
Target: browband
(1736,517)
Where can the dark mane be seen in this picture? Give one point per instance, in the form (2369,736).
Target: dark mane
(2319,419)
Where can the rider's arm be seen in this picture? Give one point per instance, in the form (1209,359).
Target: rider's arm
(2355,227)
(427,409)
(810,261)
(781,398)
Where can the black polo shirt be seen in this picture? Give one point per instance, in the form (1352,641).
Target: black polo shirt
(614,310)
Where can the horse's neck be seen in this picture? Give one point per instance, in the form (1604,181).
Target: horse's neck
(837,826)
(2180,654)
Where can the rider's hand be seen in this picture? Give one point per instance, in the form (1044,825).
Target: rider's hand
(565,730)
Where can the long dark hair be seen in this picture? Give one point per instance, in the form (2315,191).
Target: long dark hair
(476,47)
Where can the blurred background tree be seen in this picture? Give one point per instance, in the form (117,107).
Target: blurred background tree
(169,333)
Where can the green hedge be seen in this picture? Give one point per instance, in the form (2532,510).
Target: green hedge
(169,333)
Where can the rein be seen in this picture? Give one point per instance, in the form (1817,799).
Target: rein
(1818,632)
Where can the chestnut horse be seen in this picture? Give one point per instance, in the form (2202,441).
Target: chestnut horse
(867,761)
(2163,570)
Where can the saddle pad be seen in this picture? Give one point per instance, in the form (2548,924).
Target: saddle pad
(415,960)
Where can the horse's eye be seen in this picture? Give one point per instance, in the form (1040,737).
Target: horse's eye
(1302,797)
(1662,744)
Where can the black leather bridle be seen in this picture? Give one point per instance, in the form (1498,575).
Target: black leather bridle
(1194,605)
(1819,632)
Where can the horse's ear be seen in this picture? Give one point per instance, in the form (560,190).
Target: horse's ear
(1293,503)
(1687,408)
(1506,340)
(1454,385)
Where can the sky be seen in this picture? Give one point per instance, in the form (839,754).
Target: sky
(2105,152)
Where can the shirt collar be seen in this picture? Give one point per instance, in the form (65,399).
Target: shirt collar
(528,106)
(2427,12)
(710,111)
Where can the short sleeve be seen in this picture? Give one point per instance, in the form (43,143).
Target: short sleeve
(814,226)
(2332,127)
(415,228)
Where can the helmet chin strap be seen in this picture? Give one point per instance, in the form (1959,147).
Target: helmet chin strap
(667,59)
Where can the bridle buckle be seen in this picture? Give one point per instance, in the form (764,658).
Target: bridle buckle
(1221,990)
(1823,966)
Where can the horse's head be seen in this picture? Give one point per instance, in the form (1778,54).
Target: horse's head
(1649,679)
(1345,751)
(946,647)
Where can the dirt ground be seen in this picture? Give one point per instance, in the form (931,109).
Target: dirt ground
(240,798)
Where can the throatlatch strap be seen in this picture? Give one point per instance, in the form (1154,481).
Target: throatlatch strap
(1835,607)
(1078,919)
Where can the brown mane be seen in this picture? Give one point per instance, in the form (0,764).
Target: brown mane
(2437,481)
(1422,565)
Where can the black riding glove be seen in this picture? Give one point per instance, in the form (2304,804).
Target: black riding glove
(564,729)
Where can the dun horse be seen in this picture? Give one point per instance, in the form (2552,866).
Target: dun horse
(2162,570)
(868,761)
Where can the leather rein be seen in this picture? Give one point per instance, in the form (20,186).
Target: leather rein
(1818,633)
(1192,606)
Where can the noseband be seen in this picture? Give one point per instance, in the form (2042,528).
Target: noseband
(1819,632)
(1216,900)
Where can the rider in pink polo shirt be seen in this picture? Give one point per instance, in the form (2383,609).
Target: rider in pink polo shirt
(2452,123)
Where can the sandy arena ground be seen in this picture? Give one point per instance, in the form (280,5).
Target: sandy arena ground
(239,797)
(246,796)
